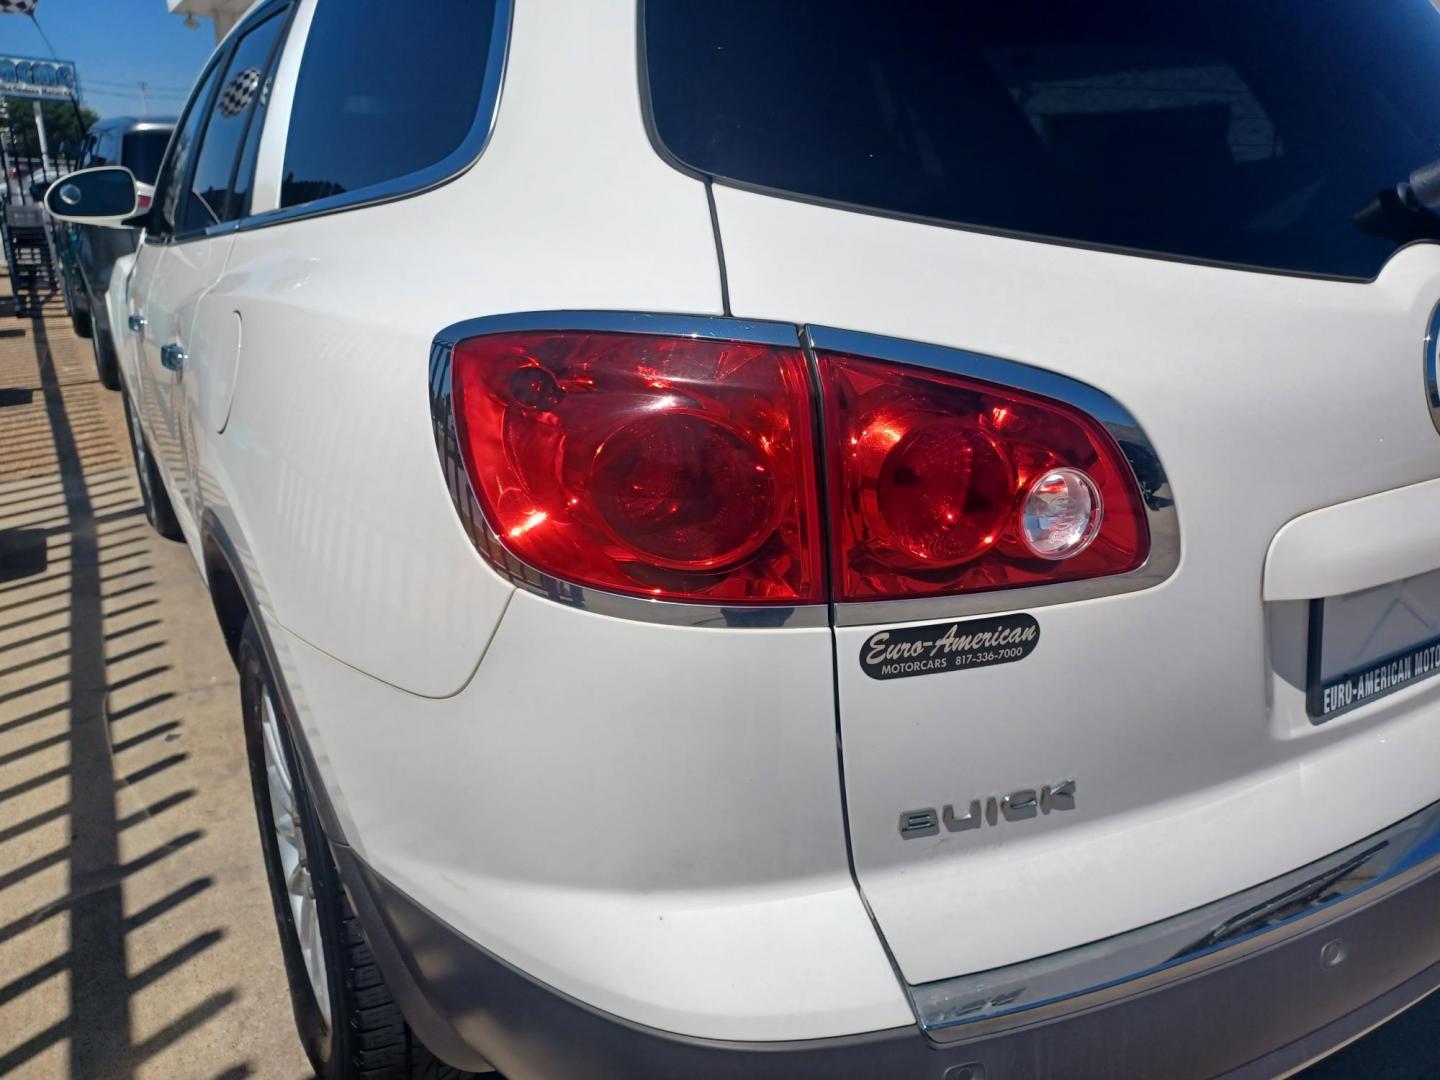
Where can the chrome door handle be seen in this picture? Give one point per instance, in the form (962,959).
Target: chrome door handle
(173,357)
(137,323)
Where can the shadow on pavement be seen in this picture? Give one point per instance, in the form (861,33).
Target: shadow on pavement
(80,651)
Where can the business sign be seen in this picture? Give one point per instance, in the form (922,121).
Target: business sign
(42,80)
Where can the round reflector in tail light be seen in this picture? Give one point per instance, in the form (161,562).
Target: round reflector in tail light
(1061,514)
(672,468)
(944,484)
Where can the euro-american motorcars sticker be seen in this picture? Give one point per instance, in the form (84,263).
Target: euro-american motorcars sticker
(901,652)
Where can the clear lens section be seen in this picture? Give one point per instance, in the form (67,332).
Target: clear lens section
(1061,514)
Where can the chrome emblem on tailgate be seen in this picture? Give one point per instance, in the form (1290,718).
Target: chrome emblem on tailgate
(1017,806)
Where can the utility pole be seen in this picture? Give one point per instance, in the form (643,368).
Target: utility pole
(46,167)
(144,98)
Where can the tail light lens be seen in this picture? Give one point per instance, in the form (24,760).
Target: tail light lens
(941,484)
(142,202)
(672,468)
(685,468)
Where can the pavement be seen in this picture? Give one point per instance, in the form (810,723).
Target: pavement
(136,936)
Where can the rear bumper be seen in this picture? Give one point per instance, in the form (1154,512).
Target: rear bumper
(1276,988)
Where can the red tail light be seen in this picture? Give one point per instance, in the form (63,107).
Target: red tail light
(686,468)
(931,476)
(674,468)
(142,202)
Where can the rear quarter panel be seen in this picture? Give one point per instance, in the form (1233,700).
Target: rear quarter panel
(327,467)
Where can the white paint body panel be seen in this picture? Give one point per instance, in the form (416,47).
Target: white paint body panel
(1356,545)
(117,303)
(352,526)
(1266,397)
(150,379)
(603,803)
(168,300)
(651,818)
(609,808)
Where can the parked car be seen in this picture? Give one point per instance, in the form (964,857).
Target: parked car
(813,540)
(139,145)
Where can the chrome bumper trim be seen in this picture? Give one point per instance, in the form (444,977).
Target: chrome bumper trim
(973,1006)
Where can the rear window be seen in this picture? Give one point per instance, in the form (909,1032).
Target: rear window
(1264,133)
(143,152)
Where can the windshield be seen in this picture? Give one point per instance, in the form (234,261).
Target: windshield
(1264,133)
(143,153)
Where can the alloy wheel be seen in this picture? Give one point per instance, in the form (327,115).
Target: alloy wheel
(294,858)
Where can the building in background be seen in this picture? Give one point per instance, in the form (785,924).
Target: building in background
(222,13)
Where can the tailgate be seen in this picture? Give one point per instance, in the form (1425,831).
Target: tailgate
(1197,771)
(1151,750)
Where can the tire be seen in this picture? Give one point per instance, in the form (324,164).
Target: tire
(107,364)
(79,315)
(67,289)
(158,509)
(347,1020)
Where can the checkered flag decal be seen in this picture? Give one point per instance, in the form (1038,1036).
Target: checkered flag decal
(17,7)
(238,91)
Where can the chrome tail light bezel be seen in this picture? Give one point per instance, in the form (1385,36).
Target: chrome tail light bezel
(1140,454)
(521,573)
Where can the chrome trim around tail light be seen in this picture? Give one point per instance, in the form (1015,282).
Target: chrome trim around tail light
(973,1006)
(1139,451)
(1432,366)
(525,576)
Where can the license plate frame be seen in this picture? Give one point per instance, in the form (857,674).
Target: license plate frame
(1329,697)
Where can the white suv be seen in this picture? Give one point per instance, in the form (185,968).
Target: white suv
(931,564)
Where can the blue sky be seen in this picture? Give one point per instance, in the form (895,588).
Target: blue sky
(115,44)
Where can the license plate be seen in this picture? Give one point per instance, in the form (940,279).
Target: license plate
(1368,644)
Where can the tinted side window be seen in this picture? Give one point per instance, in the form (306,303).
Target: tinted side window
(229,117)
(142,151)
(181,150)
(99,145)
(244,182)
(385,89)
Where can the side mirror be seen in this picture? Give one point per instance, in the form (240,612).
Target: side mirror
(103,196)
